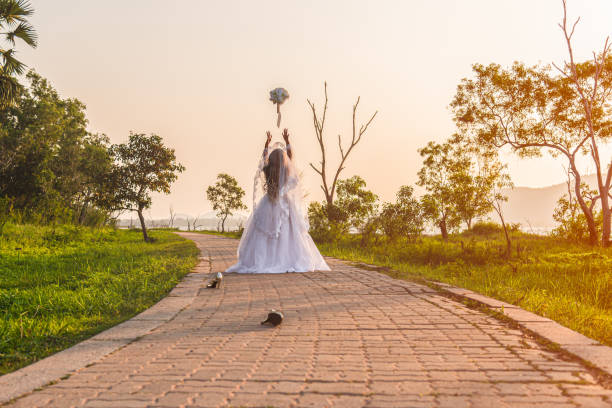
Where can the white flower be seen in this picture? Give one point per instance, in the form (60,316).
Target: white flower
(279,95)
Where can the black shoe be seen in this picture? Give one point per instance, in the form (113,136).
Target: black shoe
(274,318)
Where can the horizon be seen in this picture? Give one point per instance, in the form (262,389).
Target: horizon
(199,77)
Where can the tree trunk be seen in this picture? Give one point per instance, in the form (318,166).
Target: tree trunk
(443,229)
(605,212)
(588,214)
(143,225)
(82,213)
(223,223)
(498,210)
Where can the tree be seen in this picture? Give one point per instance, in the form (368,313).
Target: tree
(13,26)
(495,200)
(192,222)
(572,222)
(404,218)
(226,197)
(142,165)
(355,204)
(319,126)
(593,89)
(48,159)
(477,183)
(172,217)
(93,167)
(444,175)
(321,229)
(533,111)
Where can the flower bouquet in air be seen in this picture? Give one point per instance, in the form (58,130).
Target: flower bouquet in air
(278,97)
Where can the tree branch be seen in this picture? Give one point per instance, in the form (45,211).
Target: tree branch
(315,169)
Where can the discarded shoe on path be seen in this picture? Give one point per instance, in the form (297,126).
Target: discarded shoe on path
(274,318)
(217,282)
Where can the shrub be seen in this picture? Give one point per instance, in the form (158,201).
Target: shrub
(572,221)
(355,207)
(485,228)
(322,229)
(404,218)
(6,210)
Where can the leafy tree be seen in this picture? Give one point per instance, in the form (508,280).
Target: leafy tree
(404,218)
(226,197)
(533,111)
(142,165)
(48,159)
(355,204)
(321,229)
(463,182)
(94,167)
(572,222)
(13,26)
(444,174)
(477,184)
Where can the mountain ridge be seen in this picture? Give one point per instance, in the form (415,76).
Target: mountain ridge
(534,206)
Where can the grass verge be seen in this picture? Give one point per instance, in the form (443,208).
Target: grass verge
(61,285)
(228,234)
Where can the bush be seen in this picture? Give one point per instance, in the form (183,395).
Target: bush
(404,218)
(6,211)
(322,229)
(486,228)
(93,217)
(572,222)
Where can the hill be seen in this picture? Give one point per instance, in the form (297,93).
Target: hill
(535,206)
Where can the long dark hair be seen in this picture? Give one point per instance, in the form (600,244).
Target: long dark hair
(272,173)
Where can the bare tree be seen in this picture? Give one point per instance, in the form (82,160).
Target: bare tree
(594,96)
(192,222)
(319,125)
(188,219)
(171,218)
(196,222)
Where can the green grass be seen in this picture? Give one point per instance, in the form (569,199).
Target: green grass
(571,284)
(67,283)
(228,234)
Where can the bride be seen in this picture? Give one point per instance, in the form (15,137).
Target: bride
(276,238)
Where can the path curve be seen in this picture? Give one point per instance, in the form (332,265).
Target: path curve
(351,338)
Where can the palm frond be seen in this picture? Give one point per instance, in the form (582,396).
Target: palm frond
(9,90)
(11,65)
(25,32)
(12,11)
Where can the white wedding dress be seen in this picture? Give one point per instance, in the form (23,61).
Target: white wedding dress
(276,239)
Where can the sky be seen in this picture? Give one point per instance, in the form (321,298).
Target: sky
(198,74)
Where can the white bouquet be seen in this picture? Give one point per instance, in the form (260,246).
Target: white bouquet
(278,97)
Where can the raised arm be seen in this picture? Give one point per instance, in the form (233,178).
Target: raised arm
(288,146)
(268,138)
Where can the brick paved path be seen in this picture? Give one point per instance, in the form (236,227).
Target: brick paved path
(351,338)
